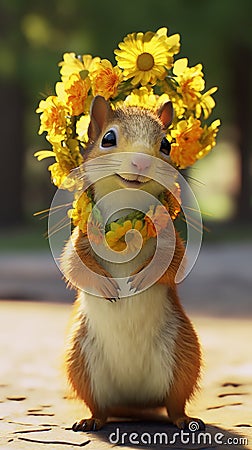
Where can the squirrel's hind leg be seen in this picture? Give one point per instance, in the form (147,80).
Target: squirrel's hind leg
(176,411)
(186,375)
(94,423)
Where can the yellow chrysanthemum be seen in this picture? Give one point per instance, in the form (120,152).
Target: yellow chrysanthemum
(106,79)
(82,128)
(190,85)
(146,57)
(73,64)
(74,93)
(58,175)
(53,118)
(116,233)
(82,208)
(185,151)
(66,153)
(145,98)
(208,138)
(67,156)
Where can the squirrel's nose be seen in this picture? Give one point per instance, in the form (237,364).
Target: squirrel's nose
(141,162)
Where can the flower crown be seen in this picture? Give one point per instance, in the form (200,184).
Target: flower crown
(145,76)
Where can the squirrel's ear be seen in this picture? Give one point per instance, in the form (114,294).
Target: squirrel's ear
(100,112)
(165,114)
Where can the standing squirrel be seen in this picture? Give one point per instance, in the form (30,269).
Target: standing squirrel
(140,351)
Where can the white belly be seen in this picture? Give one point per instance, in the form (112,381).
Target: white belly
(129,348)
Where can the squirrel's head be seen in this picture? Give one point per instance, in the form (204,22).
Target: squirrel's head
(135,135)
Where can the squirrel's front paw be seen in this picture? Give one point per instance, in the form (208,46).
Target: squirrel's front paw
(109,289)
(142,280)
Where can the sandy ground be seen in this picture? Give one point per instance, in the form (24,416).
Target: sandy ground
(36,413)
(36,410)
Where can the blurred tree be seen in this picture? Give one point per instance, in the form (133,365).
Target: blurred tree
(12,118)
(243,111)
(35,34)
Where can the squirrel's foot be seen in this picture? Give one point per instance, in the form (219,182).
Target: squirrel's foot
(92,424)
(189,423)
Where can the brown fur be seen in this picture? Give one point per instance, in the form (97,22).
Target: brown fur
(134,122)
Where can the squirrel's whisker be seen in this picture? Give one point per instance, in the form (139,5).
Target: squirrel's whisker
(62,223)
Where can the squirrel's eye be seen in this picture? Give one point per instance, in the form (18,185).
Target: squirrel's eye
(165,146)
(109,139)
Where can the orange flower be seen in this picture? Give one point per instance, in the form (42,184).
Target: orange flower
(82,208)
(156,220)
(74,92)
(185,151)
(105,79)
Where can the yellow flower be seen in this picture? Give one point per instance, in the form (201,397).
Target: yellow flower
(190,85)
(105,79)
(208,138)
(82,128)
(115,235)
(71,64)
(82,208)
(185,151)
(67,155)
(145,98)
(146,57)
(53,118)
(74,93)
(206,103)
(58,175)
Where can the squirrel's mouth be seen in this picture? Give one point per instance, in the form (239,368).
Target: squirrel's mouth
(131,180)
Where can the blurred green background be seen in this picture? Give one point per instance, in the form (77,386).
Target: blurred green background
(34,35)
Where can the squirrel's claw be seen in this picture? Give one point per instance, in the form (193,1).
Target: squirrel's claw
(109,289)
(138,282)
(113,300)
(91,424)
(190,424)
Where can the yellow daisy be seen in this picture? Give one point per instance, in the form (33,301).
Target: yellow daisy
(73,64)
(145,98)
(146,57)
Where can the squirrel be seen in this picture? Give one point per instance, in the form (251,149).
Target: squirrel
(141,351)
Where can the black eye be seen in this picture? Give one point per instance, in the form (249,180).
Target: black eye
(165,146)
(109,139)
